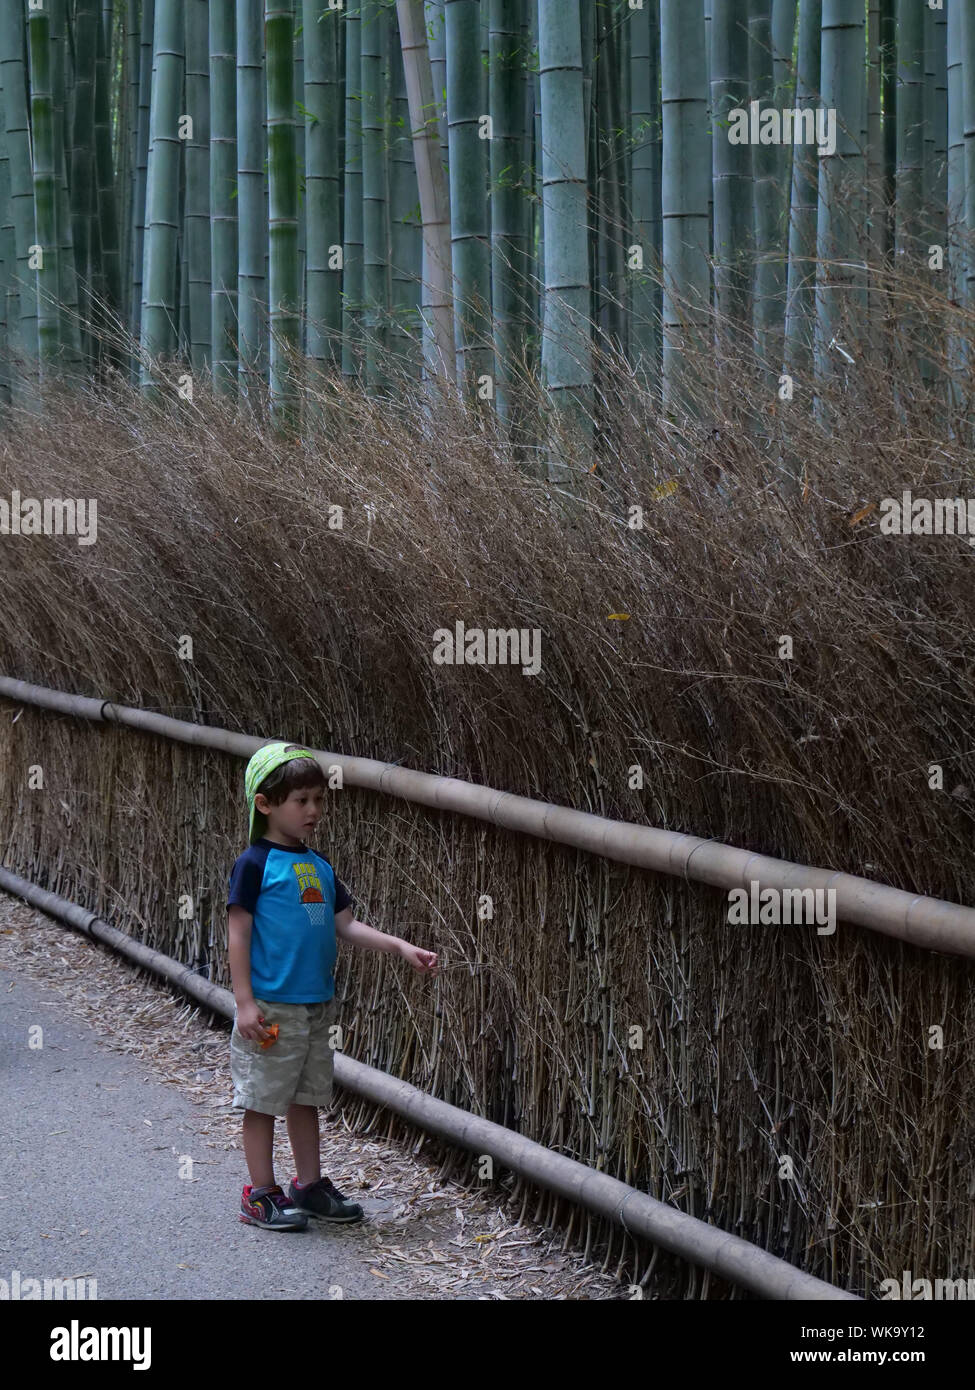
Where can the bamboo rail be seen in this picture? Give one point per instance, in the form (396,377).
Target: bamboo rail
(932,923)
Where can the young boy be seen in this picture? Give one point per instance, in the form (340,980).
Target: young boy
(286,907)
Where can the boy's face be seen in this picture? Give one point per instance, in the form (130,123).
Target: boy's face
(296,817)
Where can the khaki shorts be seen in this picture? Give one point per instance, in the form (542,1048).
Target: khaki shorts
(296,1069)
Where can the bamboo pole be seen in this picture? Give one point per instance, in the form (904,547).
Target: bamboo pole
(159,301)
(436,301)
(372,24)
(251,209)
(196,224)
(323,231)
(137,265)
(284,279)
(686,271)
(405,236)
(352,271)
(45,192)
(801,296)
(223,188)
(931,923)
(469,212)
(13,80)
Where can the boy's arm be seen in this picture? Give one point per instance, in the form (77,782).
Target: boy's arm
(356,933)
(240,922)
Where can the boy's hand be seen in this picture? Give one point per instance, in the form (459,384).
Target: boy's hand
(424,961)
(250,1022)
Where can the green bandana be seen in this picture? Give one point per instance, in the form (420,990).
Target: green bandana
(263,763)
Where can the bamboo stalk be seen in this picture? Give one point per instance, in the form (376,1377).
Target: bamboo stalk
(223,188)
(284,282)
(436,301)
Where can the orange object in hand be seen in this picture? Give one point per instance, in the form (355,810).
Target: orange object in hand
(272,1028)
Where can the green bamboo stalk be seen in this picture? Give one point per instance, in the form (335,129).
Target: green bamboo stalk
(323,230)
(298,63)
(251,208)
(770,265)
(106,199)
(783,43)
(352,346)
(927,107)
(70,319)
(967,36)
(147,28)
(81,179)
(182,263)
(801,296)
(566,347)
(959,347)
(405,236)
(610,191)
(13,80)
(939,116)
(732,171)
(284,276)
(468,171)
(374,236)
(842,178)
(538,221)
(910,134)
(875,139)
(159,275)
(437,44)
(196,227)
(127,173)
(888,84)
(45,193)
(223,200)
(645,135)
(509,205)
(685,195)
(436,308)
(708,32)
(9,298)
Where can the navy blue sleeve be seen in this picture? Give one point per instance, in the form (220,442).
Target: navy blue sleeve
(343,898)
(245,881)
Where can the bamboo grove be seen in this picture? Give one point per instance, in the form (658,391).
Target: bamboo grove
(473,192)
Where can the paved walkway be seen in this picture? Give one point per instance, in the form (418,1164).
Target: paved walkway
(91,1188)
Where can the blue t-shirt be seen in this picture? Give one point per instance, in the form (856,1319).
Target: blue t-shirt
(293,896)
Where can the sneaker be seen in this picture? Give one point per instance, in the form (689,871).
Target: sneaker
(324,1201)
(268,1206)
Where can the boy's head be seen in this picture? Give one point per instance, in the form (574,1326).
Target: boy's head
(284,783)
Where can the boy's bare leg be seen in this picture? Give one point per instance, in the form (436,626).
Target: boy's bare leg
(259,1147)
(302,1122)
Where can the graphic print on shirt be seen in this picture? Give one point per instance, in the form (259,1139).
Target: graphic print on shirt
(312,897)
